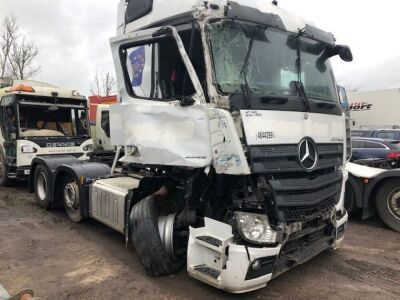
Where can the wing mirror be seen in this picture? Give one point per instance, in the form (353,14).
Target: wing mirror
(344,53)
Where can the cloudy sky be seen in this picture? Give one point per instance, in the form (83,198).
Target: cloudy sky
(73,37)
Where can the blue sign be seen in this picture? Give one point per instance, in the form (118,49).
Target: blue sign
(138,60)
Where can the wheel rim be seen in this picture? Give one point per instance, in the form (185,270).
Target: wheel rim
(41,186)
(70,196)
(393,202)
(166,231)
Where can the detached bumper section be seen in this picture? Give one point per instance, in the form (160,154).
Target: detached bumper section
(216,259)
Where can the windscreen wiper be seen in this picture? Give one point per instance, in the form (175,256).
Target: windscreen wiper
(299,84)
(245,87)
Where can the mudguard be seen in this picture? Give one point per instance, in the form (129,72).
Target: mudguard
(357,186)
(51,163)
(84,173)
(370,189)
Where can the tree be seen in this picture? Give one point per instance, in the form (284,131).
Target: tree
(22,56)
(103,84)
(8,37)
(17,54)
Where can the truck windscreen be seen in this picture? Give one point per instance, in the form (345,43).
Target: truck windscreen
(270,60)
(52,121)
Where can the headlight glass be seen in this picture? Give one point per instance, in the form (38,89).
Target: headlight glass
(28,149)
(255,228)
(88,148)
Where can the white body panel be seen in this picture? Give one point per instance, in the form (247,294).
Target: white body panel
(163,133)
(363,171)
(263,127)
(375,109)
(25,159)
(227,151)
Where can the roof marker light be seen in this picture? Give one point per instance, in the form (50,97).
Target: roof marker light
(21,88)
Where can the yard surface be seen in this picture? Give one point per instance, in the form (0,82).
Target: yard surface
(61,260)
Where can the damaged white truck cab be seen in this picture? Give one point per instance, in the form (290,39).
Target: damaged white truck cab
(234,142)
(39,119)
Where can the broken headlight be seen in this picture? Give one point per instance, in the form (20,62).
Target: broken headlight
(255,228)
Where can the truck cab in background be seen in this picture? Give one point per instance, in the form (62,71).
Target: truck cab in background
(234,138)
(39,119)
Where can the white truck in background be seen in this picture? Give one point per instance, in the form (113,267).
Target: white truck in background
(375,109)
(234,138)
(39,119)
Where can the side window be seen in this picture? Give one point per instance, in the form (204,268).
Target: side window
(386,135)
(371,145)
(10,123)
(105,122)
(356,144)
(155,71)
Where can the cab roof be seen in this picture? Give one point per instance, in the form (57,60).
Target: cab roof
(36,88)
(142,14)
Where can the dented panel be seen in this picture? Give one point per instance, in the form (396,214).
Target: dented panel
(227,151)
(162,133)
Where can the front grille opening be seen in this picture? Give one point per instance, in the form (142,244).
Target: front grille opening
(293,214)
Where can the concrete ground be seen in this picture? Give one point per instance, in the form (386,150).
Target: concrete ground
(62,260)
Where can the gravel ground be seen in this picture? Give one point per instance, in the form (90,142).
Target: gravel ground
(62,260)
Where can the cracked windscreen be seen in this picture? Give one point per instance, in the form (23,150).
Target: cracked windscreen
(264,60)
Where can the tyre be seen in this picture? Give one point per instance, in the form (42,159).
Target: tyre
(349,199)
(41,187)
(4,180)
(155,250)
(388,203)
(72,199)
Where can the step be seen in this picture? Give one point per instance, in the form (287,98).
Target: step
(208,271)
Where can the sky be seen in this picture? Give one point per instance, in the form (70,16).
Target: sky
(73,37)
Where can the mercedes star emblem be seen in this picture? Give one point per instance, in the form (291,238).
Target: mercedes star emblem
(308,155)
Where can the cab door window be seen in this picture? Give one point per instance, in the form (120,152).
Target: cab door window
(155,70)
(10,123)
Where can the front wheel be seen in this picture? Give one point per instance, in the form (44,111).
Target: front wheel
(42,187)
(388,203)
(158,245)
(72,200)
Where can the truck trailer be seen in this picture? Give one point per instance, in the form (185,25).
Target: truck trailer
(375,109)
(39,119)
(234,140)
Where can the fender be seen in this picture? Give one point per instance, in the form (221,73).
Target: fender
(83,172)
(357,186)
(368,200)
(50,162)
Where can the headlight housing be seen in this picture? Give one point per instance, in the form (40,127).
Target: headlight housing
(88,148)
(28,149)
(255,228)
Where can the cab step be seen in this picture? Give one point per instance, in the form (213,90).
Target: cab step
(208,271)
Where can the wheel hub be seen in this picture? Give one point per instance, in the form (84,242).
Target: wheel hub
(70,196)
(41,188)
(394,203)
(166,231)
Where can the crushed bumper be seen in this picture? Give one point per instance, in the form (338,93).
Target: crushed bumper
(214,258)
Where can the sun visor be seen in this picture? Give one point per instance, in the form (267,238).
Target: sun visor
(137,9)
(241,12)
(319,35)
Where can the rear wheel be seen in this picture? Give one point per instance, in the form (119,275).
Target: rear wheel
(160,247)
(4,180)
(72,200)
(388,203)
(42,187)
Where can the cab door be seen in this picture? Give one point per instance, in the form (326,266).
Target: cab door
(163,117)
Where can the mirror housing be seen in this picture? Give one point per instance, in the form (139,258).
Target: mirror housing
(344,52)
